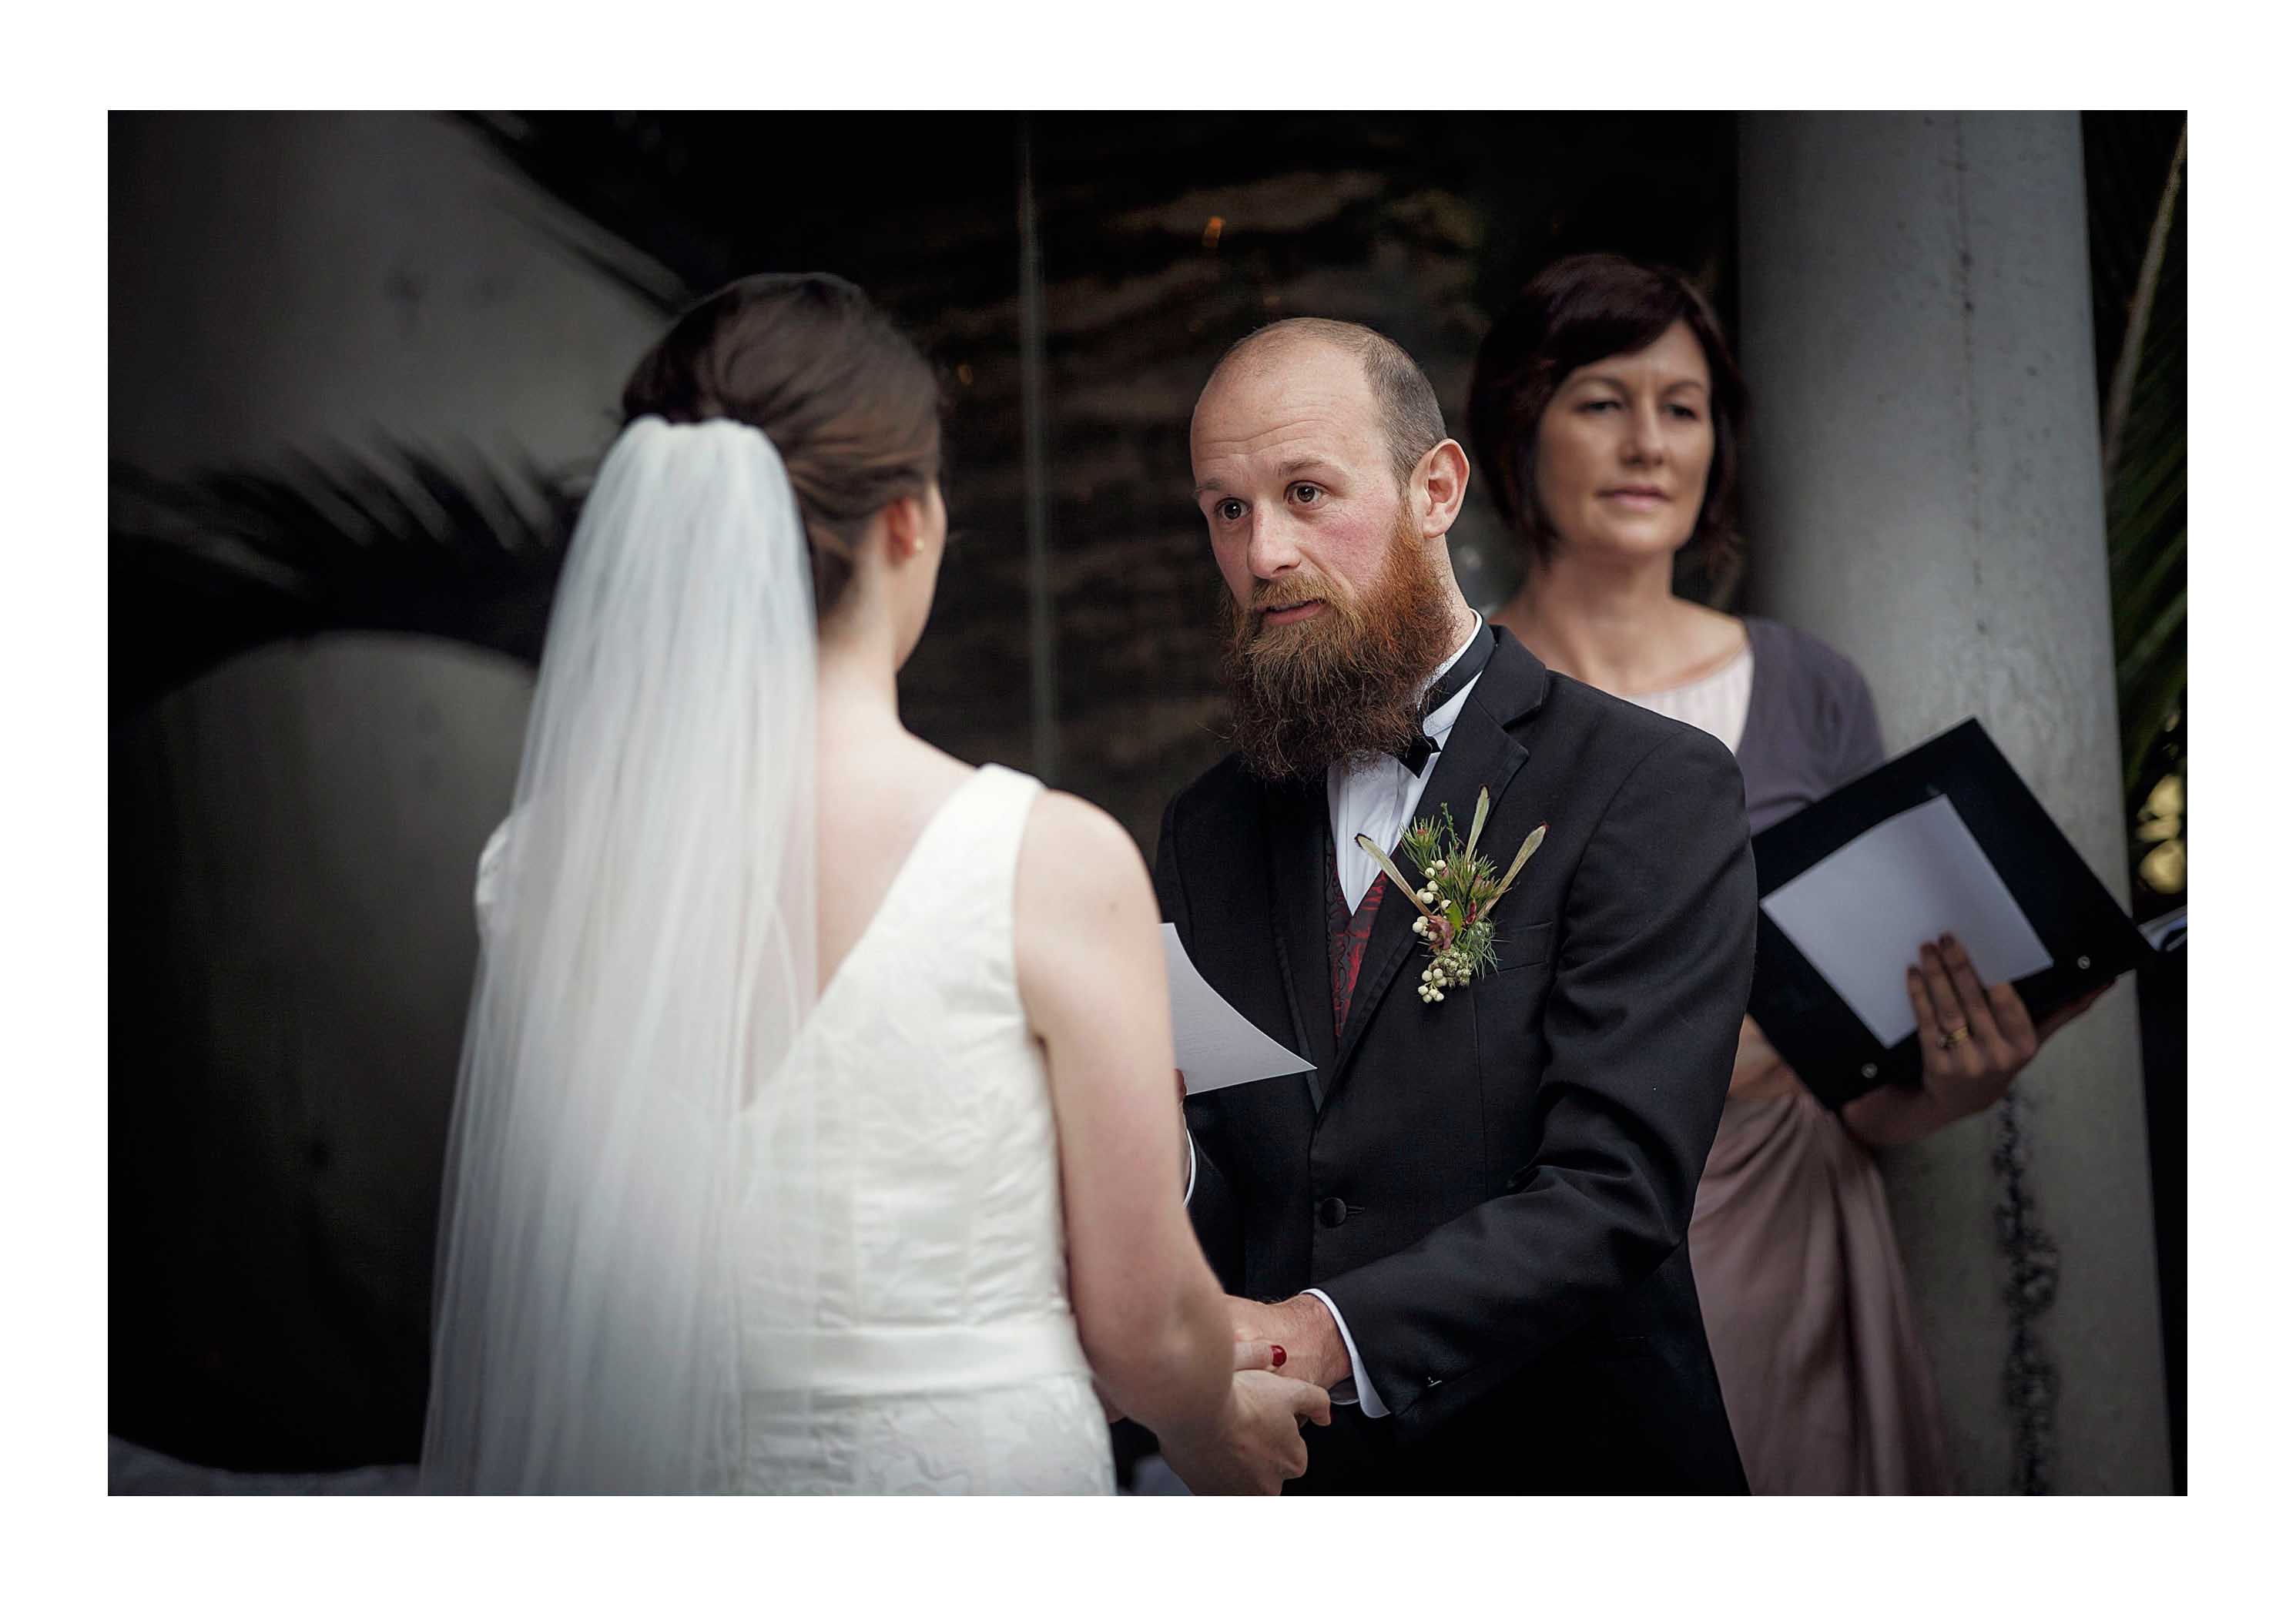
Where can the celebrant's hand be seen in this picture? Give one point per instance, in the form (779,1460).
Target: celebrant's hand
(1974,1040)
(1302,1329)
(1255,1446)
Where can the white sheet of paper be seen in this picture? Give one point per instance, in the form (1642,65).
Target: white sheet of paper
(1862,913)
(1216,1046)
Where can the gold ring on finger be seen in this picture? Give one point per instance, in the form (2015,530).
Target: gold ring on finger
(1960,1034)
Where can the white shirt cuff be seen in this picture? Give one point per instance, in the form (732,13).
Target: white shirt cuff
(1365,1396)
(1188,1193)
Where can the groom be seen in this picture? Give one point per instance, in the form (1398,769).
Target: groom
(1469,1218)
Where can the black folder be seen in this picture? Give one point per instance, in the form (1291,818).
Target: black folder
(2089,938)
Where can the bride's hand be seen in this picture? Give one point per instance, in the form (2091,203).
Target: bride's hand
(1256,1445)
(1251,1356)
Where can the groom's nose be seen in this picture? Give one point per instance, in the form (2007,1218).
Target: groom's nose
(1272,550)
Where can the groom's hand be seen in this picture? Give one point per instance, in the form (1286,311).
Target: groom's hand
(1256,1445)
(1303,1329)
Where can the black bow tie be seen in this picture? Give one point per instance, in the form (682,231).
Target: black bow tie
(1413,755)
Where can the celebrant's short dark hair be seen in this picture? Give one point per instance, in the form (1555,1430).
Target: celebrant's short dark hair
(1580,310)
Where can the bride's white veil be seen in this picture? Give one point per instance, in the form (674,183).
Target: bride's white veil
(647,970)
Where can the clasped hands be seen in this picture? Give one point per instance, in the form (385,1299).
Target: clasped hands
(1280,1358)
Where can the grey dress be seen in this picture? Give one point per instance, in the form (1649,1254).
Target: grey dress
(1803,1289)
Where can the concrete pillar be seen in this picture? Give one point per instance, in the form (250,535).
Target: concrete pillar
(323,280)
(1923,491)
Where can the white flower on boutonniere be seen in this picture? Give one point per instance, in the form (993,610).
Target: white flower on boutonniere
(1454,896)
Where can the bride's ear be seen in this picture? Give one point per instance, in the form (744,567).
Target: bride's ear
(904,529)
(914,525)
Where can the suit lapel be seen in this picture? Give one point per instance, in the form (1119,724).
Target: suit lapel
(1479,753)
(1299,831)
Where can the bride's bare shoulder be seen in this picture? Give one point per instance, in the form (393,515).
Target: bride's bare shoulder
(1077,849)
(1085,913)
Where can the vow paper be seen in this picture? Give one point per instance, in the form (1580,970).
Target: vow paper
(1861,914)
(1216,1046)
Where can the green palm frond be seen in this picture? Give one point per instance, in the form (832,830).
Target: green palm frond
(2140,212)
(406,539)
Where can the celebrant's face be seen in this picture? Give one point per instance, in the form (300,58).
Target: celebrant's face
(1295,481)
(1624,449)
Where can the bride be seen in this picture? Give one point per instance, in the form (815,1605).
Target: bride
(814,1131)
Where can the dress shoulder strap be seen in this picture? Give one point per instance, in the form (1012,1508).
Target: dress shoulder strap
(974,865)
(984,825)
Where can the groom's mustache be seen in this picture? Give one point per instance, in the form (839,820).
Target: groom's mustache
(1289,591)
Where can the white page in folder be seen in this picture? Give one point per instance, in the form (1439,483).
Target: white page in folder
(1216,1046)
(1861,914)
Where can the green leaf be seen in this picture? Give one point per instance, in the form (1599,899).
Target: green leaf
(2137,243)
(1394,875)
(2147,714)
(387,536)
(2120,397)
(1522,858)
(1475,833)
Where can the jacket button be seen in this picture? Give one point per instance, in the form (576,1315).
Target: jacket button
(1331,1210)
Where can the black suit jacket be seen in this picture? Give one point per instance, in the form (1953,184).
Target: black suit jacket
(1494,1190)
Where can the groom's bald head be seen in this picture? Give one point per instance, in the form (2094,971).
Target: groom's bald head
(1409,416)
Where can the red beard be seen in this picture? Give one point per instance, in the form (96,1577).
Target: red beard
(1341,687)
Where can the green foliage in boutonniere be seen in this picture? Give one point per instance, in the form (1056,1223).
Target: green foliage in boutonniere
(1457,891)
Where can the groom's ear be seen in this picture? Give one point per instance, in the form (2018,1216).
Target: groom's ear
(1440,487)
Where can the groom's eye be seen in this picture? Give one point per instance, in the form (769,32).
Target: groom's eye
(1306,495)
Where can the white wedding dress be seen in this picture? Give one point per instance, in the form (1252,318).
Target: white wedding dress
(903,1273)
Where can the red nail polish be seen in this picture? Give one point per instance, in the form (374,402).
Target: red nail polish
(1275,1353)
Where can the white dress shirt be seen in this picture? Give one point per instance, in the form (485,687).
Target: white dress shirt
(1376,799)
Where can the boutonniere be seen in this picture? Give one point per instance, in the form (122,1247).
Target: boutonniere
(1456,893)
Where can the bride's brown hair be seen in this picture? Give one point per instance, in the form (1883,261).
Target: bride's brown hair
(846,398)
